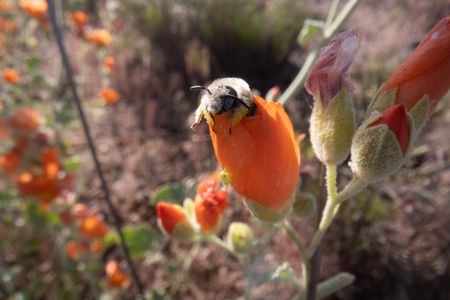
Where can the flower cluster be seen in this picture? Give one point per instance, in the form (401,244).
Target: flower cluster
(205,212)
(90,230)
(32,163)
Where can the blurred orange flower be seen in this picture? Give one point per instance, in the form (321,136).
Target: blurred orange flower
(80,18)
(116,277)
(426,71)
(170,215)
(261,155)
(92,227)
(10,161)
(44,186)
(34,8)
(4,5)
(210,204)
(26,119)
(80,211)
(7,25)
(95,247)
(11,76)
(99,37)
(109,95)
(109,62)
(74,250)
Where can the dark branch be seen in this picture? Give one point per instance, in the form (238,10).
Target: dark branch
(87,132)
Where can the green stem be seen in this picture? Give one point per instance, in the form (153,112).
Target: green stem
(219,242)
(329,212)
(355,186)
(328,33)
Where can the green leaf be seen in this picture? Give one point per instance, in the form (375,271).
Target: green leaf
(33,63)
(284,272)
(309,30)
(72,163)
(37,216)
(174,193)
(139,238)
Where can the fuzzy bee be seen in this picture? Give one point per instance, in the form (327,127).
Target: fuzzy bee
(224,95)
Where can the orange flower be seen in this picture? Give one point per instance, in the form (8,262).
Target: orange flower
(426,71)
(34,8)
(80,18)
(9,162)
(80,211)
(99,37)
(170,215)
(396,119)
(116,277)
(26,119)
(92,227)
(74,250)
(261,155)
(6,25)
(109,62)
(4,5)
(96,247)
(11,76)
(109,95)
(210,204)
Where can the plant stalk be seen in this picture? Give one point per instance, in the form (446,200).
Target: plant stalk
(91,145)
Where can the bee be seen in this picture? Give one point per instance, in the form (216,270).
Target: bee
(224,95)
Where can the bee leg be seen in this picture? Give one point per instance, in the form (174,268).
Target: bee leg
(198,117)
(210,120)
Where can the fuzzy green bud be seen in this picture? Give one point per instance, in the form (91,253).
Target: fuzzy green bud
(240,237)
(332,128)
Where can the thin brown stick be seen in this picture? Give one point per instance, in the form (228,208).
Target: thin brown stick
(92,148)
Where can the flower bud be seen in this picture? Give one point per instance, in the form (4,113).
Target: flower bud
(380,145)
(304,205)
(333,116)
(210,204)
(240,237)
(173,221)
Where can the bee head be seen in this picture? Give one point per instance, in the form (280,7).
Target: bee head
(226,94)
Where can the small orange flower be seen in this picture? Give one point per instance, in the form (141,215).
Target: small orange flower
(34,8)
(80,18)
(92,227)
(75,249)
(109,62)
(210,204)
(170,215)
(396,119)
(426,71)
(109,95)
(9,162)
(80,211)
(261,155)
(99,37)
(7,25)
(95,247)
(26,119)
(11,76)
(116,277)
